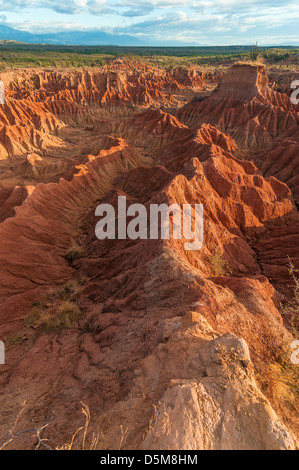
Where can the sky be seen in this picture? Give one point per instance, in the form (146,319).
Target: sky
(163,22)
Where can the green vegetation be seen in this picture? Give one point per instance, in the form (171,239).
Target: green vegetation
(17,55)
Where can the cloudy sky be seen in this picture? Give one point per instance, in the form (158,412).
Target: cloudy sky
(158,22)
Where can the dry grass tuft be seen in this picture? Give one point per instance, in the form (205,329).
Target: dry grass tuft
(74,253)
(13,435)
(58,308)
(83,442)
(66,315)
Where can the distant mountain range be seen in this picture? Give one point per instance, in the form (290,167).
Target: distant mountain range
(84,38)
(91,38)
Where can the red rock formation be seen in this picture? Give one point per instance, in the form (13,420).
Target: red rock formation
(282,161)
(244,107)
(184,331)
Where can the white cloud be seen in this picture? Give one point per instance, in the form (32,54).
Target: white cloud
(217,21)
(71,7)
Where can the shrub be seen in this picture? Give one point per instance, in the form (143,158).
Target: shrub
(35,80)
(71,291)
(131,106)
(74,253)
(219,265)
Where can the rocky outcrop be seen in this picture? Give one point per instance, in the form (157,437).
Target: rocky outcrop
(221,410)
(245,107)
